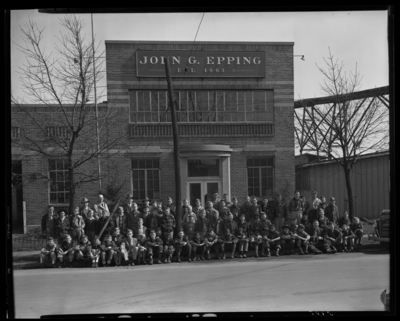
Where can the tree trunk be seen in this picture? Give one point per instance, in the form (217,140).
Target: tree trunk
(347,175)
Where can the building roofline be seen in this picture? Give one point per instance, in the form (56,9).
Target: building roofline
(326,161)
(57,105)
(143,42)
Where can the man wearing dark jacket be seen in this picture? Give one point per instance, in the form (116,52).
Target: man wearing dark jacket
(332,211)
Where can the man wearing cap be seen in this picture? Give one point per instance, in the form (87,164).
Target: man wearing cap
(85,209)
(101,207)
(211,242)
(146,204)
(332,211)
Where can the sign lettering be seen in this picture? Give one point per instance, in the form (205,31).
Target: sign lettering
(185,63)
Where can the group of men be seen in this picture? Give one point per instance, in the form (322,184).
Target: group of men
(155,232)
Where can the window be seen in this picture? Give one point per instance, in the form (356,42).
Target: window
(15,132)
(58,131)
(59,181)
(203,167)
(260,176)
(146,178)
(203,106)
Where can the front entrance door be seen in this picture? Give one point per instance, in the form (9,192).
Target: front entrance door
(202,190)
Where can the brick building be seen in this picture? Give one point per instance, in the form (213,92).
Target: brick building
(235,113)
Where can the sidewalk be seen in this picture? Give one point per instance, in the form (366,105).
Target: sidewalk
(30,259)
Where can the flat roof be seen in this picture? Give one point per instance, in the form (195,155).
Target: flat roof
(147,42)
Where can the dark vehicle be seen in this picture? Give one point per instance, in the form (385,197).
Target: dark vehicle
(382,227)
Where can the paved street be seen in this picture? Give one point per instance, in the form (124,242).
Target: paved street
(341,282)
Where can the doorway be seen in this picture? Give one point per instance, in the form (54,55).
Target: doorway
(202,190)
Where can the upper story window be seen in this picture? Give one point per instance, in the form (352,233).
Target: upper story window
(145,178)
(202,106)
(58,131)
(15,132)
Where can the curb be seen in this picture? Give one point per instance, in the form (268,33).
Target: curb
(31,261)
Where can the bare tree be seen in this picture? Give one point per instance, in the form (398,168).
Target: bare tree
(346,128)
(63,82)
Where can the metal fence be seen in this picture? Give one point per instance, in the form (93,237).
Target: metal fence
(27,243)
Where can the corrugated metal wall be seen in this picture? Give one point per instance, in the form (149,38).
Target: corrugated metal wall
(370,181)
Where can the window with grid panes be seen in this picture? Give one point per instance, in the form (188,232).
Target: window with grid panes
(146,178)
(260,176)
(203,106)
(59,181)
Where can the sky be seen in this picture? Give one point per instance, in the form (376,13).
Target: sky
(354,37)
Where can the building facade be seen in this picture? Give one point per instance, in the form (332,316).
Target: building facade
(235,121)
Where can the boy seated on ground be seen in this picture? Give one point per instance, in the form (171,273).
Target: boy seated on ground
(211,242)
(198,247)
(287,240)
(358,230)
(168,248)
(131,248)
(243,242)
(142,249)
(333,237)
(154,247)
(48,253)
(302,240)
(256,240)
(228,240)
(317,240)
(348,238)
(107,250)
(344,219)
(96,251)
(273,241)
(182,242)
(65,251)
(83,251)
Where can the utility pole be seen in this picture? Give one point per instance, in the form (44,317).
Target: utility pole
(176,147)
(95,106)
